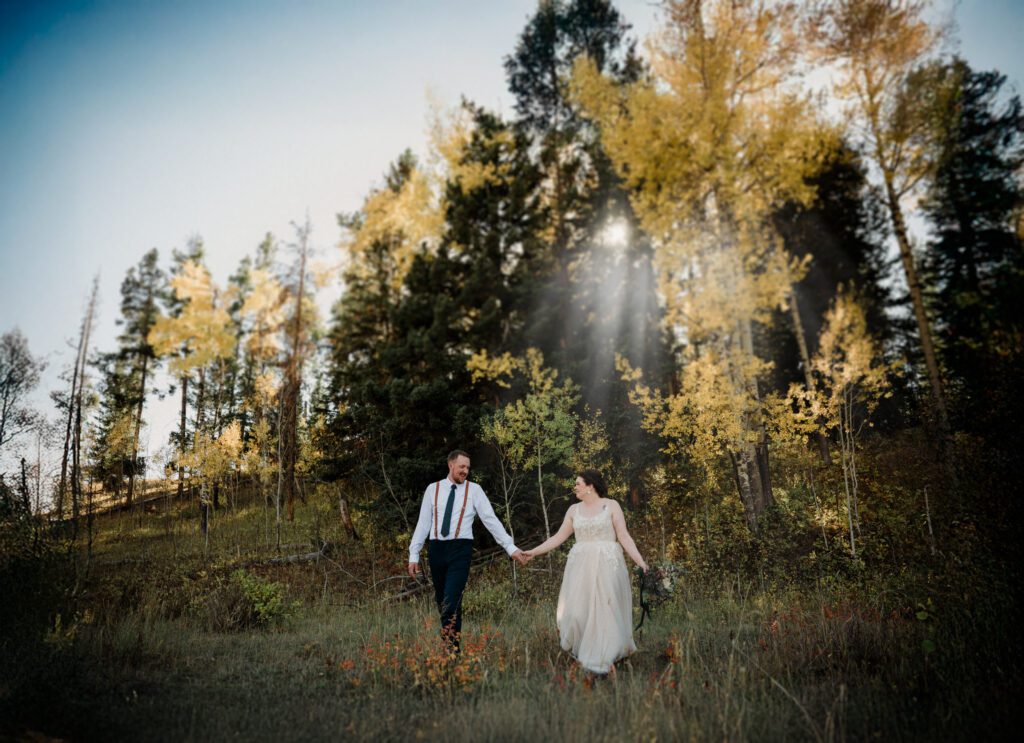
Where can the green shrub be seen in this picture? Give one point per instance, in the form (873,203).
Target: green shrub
(265,599)
(237,602)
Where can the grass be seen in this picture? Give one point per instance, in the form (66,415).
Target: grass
(146,654)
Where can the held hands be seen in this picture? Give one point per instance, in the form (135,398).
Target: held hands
(521,557)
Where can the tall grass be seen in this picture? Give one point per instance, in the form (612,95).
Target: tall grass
(728,664)
(159,645)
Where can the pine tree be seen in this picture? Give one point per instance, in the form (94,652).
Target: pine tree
(142,291)
(113,430)
(975,263)
(592,287)
(841,237)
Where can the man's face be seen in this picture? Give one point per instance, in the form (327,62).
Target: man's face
(458,470)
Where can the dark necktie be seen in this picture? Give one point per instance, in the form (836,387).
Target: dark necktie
(446,523)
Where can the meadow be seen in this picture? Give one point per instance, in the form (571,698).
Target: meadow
(160,635)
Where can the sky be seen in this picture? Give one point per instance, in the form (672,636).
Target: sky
(131,125)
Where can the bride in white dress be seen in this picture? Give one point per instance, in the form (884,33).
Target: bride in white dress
(595,605)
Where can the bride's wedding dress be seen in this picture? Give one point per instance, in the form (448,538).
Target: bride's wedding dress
(595,605)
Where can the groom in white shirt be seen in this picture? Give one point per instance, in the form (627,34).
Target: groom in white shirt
(446,518)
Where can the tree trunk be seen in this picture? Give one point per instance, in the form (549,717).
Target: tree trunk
(346,517)
(749,469)
(543,502)
(181,436)
(917,300)
(288,441)
(288,433)
(136,431)
(76,449)
(200,404)
(62,487)
(805,359)
(26,502)
(750,460)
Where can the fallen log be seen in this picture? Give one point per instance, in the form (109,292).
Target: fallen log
(325,549)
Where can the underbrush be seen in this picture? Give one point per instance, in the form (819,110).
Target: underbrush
(729,661)
(163,636)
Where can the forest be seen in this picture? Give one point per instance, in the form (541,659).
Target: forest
(764,272)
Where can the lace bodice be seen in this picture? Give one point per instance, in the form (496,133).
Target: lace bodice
(597,528)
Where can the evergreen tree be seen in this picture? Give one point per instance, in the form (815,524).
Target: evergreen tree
(398,377)
(113,433)
(593,294)
(142,290)
(975,262)
(842,233)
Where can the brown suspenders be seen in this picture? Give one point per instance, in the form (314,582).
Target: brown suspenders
(465,500)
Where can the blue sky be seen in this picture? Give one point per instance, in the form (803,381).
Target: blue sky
(131,125)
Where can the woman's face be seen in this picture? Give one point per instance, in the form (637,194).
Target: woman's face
(581,488)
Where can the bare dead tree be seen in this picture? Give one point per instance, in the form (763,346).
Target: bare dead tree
(76,404)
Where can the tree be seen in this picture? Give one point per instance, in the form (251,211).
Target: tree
(398,378)
(75,413)
(590,292)
(841,237)
(263,317)
(211,460)
(974,266)
(112,435)
(256,315)
(709,149)
(877,44)
(852,379)
(141,291)
(199,334)
(298,329)
(579,181)
(535,432)
(19,375)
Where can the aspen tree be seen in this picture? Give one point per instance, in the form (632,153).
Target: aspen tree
(876,45)
(198,335)
(538,430)
(852,380)
(264,315)
(709,147)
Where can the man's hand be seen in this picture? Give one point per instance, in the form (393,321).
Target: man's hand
(414,568)
(520,557)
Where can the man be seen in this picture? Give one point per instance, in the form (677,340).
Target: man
(446,517)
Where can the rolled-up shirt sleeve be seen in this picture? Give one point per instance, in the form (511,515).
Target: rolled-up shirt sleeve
(419,536)
(486,513)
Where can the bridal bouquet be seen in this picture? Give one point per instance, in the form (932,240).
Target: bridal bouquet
(657,586)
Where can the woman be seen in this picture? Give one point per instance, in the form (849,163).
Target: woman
(595,605)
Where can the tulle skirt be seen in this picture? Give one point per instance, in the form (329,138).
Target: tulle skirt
(595,605)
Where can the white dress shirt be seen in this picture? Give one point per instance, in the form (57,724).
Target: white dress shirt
(476,505)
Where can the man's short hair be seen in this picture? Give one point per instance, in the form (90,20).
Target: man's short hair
(456,453)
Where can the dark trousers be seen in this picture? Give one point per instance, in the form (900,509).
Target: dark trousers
(449,570)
